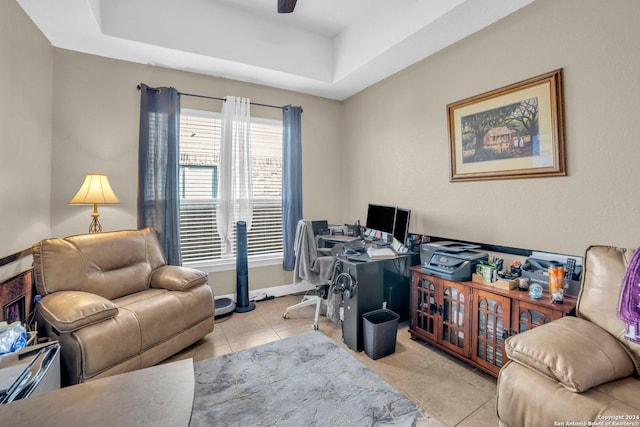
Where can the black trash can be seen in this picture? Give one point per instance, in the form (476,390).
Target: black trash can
(380,328)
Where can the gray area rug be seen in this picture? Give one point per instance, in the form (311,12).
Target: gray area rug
(305,380)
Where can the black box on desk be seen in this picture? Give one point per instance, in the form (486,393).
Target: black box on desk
(541,277)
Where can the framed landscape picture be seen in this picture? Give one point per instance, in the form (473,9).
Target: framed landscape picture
(513,132)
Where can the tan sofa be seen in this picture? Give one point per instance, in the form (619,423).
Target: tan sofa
(580,369)
(113,303)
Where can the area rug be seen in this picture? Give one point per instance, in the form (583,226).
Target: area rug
(305,380)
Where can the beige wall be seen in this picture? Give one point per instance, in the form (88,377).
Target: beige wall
(95,129)
(26,85)
(401,125)
(66,114)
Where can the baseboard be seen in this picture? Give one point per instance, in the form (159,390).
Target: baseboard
(276,291)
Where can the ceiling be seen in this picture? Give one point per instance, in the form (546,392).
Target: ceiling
(329,48)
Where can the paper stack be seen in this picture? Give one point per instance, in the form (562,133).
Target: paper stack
(381,253)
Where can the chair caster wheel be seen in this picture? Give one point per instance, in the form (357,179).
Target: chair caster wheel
(315,326)
(285,315)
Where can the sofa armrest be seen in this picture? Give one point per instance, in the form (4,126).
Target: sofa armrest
(572,351)
(176,278)
(68,311)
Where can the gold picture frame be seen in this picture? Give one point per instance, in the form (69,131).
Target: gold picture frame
(513,132)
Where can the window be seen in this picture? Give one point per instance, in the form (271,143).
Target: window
(198,182)
(200,134)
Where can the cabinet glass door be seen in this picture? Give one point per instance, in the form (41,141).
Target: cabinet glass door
(427,308)
(454,323)
(492,316)
(530,316)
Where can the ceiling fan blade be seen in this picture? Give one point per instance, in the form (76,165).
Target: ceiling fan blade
(286,6)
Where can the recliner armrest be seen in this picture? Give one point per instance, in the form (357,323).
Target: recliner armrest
(572,351)
(177,278)
(68,311)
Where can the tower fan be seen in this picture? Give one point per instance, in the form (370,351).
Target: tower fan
(242,270)
(286,6)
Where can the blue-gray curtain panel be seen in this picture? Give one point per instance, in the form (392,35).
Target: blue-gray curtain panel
(158,202)
(291,181)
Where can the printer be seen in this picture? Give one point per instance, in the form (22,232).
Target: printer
(449,260)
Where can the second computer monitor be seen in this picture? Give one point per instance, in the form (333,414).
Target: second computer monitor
(389,219)
(401,225)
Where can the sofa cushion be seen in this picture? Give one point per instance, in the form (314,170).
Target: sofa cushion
(106,344)
(526,398)
(174,278)
(144,321)
(111,264)
(602,275)
(572,351)
(68,311)
(162,314)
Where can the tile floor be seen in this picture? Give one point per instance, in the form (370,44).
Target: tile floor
(451,391)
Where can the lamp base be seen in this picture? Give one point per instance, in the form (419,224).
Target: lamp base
(95,226)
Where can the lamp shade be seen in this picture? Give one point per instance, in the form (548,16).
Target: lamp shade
(95,190)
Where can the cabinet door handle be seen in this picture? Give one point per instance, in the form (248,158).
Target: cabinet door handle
(505,334)
(440,310)
(513,332)
(432,308)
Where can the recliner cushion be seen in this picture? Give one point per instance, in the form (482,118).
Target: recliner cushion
(572,351)
(176,278)
(68,311)
(603,271)
(526,398)
(162,314)
(111,264)
(108,343)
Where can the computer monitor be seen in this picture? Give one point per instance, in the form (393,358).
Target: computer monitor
(320,227)
(401,225)
(381,218)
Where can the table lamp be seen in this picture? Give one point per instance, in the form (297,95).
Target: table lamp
(95,190)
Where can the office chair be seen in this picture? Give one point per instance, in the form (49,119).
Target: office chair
(313,267)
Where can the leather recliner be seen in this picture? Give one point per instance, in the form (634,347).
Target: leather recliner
(576,370)
(113,303)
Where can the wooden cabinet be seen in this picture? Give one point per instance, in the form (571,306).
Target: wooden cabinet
(492,315)
(471,320)
(454,326)
(441,312)
(424,308)
(527,316)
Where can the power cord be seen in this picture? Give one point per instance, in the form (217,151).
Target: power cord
(263,297)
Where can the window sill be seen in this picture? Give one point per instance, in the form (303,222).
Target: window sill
(230,263)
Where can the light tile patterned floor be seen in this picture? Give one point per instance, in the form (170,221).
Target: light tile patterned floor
(451,391)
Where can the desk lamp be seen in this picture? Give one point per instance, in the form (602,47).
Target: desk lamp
(95,190)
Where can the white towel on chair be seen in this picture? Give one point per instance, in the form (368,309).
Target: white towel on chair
(308,265)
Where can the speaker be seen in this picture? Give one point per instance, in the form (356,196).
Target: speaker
(242,270)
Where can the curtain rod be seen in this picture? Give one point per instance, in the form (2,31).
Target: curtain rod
(216,98)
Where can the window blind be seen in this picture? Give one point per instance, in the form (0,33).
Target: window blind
(200,134)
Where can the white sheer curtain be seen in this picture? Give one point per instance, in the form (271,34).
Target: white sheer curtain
(234,184)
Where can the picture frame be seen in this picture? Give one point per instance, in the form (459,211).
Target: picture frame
(516,131)
(14,311)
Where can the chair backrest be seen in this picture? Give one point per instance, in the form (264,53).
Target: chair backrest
(111,264)
(320,227)
(602,275)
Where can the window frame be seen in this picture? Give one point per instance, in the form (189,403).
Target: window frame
(228,263)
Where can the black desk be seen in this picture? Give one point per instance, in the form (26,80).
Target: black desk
(377,281)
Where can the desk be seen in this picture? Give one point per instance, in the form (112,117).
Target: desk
(377,281)
(333,239)
(158,396)
(43,370)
